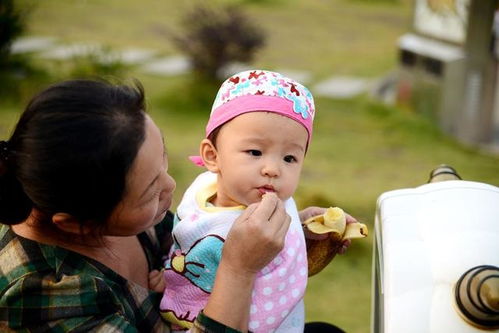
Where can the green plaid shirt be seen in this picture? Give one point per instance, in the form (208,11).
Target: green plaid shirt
(45,288)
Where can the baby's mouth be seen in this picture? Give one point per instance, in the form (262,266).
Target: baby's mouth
(266,189)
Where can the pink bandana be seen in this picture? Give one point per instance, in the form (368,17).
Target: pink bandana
(261,90)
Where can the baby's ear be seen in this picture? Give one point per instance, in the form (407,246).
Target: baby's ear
(209,155)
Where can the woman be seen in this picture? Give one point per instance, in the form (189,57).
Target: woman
(84,201)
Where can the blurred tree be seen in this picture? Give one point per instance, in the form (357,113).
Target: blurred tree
(11,26)
(215,37)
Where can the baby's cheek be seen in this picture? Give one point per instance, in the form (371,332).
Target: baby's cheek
(287,191)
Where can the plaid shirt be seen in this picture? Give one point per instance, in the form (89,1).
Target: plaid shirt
(45,288)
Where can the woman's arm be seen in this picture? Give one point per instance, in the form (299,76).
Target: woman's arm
(256,237)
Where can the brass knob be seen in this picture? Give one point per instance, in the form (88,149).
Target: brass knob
(443,172)
(477,296)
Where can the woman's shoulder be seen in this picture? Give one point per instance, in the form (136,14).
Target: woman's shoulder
(43,285)
(17,257)
(71,303)
(30,267)
(27,265)
(21,257)
(30,282)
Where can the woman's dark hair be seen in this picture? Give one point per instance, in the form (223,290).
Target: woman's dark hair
(71,150)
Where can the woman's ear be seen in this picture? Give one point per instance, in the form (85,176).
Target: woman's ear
(209,155)
(67,223)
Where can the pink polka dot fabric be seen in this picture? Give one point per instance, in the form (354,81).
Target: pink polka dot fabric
(280,285)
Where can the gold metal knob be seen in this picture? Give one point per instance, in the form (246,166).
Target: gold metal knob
(477,296)
(443,172)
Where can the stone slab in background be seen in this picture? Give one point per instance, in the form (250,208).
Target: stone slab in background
(69,51)
(167,66)
(32,44)
(341,87)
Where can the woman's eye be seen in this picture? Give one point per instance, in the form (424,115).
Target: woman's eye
(289,159)
(254,152)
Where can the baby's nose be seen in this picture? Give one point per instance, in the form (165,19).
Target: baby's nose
(270,169)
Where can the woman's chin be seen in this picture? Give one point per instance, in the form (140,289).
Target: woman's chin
(160,217)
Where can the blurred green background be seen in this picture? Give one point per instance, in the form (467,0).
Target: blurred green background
(360,149)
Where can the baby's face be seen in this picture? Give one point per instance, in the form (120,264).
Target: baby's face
(259,152)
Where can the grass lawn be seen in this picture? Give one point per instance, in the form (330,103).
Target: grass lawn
(351,37)
(360,148)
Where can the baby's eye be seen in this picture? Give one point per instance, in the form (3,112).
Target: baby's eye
(254,152)
(290,159)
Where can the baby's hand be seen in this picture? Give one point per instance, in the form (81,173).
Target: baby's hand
(156,281)
(339,227)
(308,213)
(334,222)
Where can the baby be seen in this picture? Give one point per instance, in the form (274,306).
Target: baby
(256,140)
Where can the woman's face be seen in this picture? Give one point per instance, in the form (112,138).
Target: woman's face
(149,188)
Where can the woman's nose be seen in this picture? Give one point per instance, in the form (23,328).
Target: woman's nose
(171,184)
(168,183)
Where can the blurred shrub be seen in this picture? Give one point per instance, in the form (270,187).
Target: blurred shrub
(98,62)
(190,95)
(374,2)
(214,37)
(11,26)
(19,78)
(266,2)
